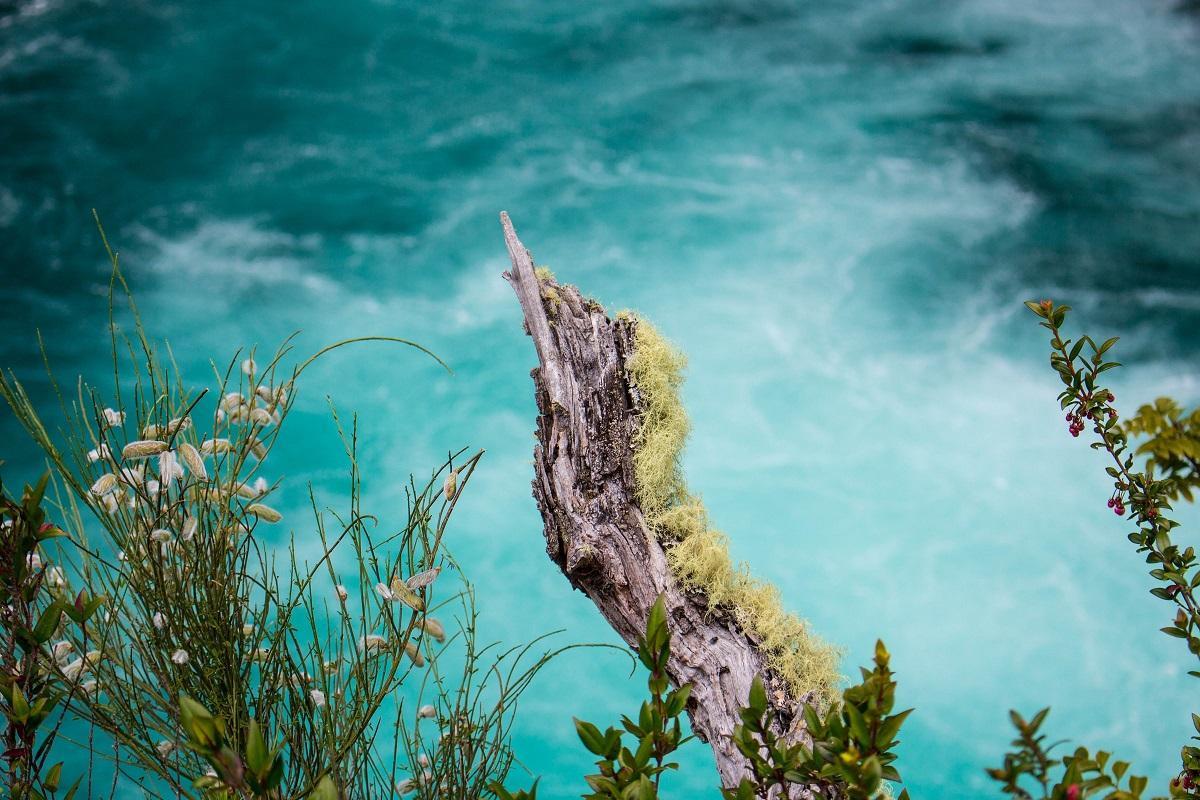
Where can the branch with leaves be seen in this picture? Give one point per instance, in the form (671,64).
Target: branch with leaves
(1143,498)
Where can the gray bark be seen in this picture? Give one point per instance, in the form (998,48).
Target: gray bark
(595,531)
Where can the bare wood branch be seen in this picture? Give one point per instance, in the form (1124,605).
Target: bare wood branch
(595,531)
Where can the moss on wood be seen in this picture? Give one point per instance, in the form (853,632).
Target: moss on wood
(698,554)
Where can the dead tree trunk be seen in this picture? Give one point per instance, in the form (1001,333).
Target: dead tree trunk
(595,531)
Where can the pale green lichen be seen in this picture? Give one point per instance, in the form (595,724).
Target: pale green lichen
(543,274)
(698,554)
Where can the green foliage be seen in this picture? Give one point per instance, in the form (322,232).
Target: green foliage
(1172,444)
(1029,770)
(852,746)
(634,774)
(220,665)
(256,771)
(1143,498)
(36,677)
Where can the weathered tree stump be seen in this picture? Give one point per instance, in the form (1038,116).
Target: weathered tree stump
(595,531)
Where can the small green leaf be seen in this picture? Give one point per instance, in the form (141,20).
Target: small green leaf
(591,737)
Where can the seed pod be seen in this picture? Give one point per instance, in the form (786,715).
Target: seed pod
(143,448)
(231,402)
(180,657)
(318,698)
(434,628)
(342,592)
(265,393)
(451,484)
(260,416)
(104,484)
(161,536)
(61,651)
(159,619)
(383,591)
(188,531)
(423,579)
(211,446)
(168,467)
(113,418)
(331,667)
(195,464)
(426,712)
(405,595)
(101,452)
(256,447)
(265,513)
(152,431)
(243,490)
(372,642)
(247,630)
(414,653)
(259,654)
(249,367)
(178,424)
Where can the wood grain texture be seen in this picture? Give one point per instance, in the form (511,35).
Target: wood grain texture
(596,533)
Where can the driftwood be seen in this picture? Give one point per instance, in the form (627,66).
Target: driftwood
(595,531)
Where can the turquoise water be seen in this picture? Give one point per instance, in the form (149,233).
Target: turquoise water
(835,208)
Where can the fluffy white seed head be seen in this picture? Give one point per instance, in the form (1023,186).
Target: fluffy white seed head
(113,418)
(402,594)
(104,484)
(426,712)
(54,578)
(192,460)
(372,642)
(61,651)
(342,592)
(414,653)
(102,451)
(423,579)
(160,620)
(214,446)
(143,448)
(249,367)
(180,657)
(434,628)
(318,698)
(169,468)
(265,513)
